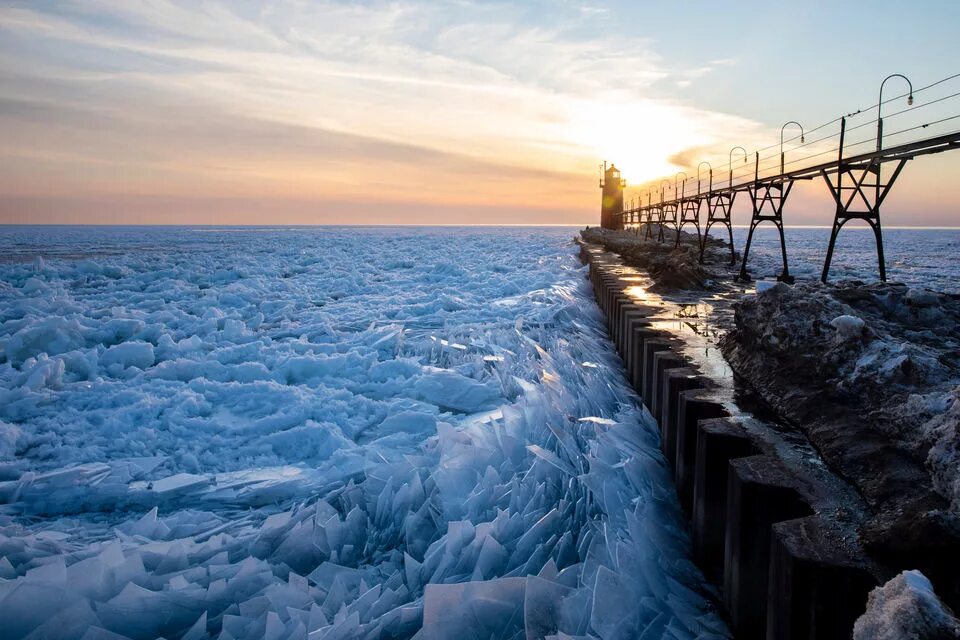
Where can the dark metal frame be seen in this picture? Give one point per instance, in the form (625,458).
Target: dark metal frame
(689,214)
(719,211)
(860,193)
(668,216)
(768,195)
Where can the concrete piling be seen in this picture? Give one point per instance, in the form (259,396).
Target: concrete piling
(719,441)
(674,381)
(634,364)
(663,363)
(759,494)
(632,317)
(693,405)
(650,349)
(817,588)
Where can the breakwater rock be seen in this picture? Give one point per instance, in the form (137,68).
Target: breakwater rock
(670,265)
(870,374)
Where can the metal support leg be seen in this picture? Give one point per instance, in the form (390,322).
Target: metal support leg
(785,276)
(833,240)
(867,191)
(878,232)
(670,209)
(767,199)
(743,276)
(689,214)
(733,254)
(653,216)
(719,210)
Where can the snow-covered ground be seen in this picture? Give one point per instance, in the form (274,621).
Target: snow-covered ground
(906,607)
(346,433)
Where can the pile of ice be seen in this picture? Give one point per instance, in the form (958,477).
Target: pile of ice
(906,607)
(891,348)
(333,433)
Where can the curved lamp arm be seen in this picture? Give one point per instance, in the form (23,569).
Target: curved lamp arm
(679,173)
(731,161)
(880,105)
(698,175)
(781,139)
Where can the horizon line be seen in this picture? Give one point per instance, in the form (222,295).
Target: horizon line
(418,224)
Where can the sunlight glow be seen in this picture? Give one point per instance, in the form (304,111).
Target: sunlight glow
(163,111)
(639,137)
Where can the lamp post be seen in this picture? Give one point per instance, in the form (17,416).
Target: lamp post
(710,187)
(781,140)
(731,161)
(880,105)
(661,188)
(682,193)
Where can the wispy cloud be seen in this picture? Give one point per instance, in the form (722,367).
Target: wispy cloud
(470,104)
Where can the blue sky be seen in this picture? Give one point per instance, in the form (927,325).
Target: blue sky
(802,60)
(292,111)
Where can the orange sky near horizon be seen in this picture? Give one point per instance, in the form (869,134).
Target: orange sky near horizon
(384,113)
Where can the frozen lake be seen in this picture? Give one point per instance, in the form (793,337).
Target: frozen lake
(341,432)
(916,257)
(346,433)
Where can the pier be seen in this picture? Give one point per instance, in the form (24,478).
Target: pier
(782,514)
(770,525)
(858,182)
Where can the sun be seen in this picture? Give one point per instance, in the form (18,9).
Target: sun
(638,136)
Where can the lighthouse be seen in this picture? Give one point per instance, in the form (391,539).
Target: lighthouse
(611,204)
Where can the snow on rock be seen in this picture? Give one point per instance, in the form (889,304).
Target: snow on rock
(906,607)
(766,285)
(329,434)
(922,297)
(940,416)
(848,327)
(887,347)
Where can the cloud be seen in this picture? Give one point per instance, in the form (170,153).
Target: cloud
(474,104)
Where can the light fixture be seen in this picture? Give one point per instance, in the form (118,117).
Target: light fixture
(880,104)
(799,126)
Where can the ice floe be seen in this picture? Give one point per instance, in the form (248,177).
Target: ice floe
(327,434)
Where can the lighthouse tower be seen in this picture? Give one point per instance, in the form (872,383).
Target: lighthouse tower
(611,205)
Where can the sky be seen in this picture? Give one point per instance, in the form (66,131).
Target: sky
(450,112)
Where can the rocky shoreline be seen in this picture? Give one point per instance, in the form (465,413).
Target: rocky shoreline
(670,266)
(868,373)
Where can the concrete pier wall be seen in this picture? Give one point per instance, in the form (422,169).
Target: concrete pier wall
(763,525)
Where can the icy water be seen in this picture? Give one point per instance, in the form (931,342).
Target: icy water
(917,257)
(340,433)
